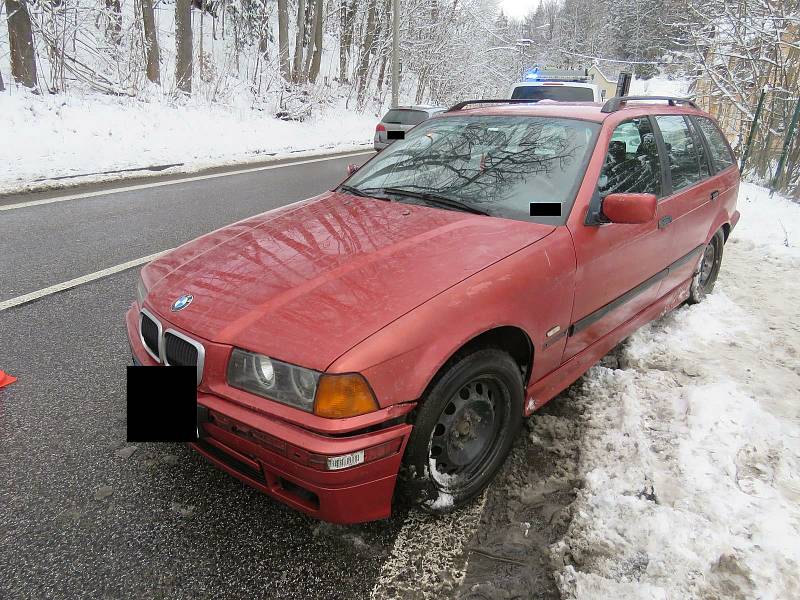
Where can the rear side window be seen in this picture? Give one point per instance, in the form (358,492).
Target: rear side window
(405,117)
(682,155)
(562,93)
(702,155)
(720,153)
(631,164)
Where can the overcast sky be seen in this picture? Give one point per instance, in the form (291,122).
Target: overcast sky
(517,8)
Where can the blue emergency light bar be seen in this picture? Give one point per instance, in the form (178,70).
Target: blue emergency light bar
(539,74)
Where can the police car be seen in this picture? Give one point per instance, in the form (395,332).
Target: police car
(556,84)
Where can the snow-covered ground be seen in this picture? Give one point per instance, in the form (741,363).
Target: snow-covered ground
(52,136)
(690,441)
(659,86)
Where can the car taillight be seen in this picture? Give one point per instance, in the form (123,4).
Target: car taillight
(379,127)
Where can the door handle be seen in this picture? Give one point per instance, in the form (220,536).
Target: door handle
(714,195)
(664,221)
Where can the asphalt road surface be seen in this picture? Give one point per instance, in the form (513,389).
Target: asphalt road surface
(84,514)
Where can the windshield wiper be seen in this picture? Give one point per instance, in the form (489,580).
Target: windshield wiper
(349,189)
(353,191)
(436,199)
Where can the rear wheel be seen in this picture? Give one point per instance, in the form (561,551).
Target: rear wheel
(464,431)
(707,269)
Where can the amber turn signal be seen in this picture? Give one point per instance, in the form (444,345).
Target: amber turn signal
(341,396)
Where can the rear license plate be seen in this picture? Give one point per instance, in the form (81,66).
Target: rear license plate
(395,135)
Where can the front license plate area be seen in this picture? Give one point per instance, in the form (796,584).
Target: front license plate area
(202,417)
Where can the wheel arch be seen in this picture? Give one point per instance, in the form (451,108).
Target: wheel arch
(508,338)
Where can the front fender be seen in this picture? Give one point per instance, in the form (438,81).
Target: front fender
(531,289)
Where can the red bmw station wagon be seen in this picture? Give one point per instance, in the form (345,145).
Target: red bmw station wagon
(389,336)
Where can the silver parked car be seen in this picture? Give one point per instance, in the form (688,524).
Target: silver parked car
(398,120)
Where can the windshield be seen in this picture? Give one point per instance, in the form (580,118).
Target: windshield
(562,93)
(504,166)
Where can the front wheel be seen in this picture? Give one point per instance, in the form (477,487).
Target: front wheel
(707,269)
(464,431)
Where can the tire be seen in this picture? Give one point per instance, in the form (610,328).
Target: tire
(463,432)
(707,269)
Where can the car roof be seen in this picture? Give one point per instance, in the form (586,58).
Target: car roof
(585,111)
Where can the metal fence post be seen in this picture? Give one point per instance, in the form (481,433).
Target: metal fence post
(786,143)
(753,126)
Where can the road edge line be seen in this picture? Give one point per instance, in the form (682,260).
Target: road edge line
(281,162)
(72,283)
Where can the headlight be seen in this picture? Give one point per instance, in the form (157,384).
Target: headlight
(273,379)
(327,395)
(141,291)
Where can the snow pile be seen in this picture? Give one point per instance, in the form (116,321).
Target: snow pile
(659,86)
(690,450)
(67,135)
(771,224)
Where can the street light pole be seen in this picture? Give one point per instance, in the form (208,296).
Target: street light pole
(395,52)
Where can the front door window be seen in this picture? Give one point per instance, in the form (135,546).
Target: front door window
(631,164)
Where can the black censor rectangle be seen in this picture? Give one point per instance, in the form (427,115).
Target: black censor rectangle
(545,209)
(162,404)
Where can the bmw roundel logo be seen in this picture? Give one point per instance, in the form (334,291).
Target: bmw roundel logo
(182,302)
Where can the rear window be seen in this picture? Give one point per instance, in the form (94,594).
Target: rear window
(562,93)
(720,154)
(405,117)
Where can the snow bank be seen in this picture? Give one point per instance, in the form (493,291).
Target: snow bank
(659,86)
(690,451)
(45,137)
(771,224)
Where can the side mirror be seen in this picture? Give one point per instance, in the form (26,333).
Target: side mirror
(351,168)
(630,208)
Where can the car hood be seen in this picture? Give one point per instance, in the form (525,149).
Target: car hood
(307,282)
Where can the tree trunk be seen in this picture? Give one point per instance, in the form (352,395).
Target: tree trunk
(366,48)
(2,87)
(347,39)
(382,71)
(20,38)
(151,42)
(319,13)
(114,15)
(344,43)
(283,38)
(308,40)
(297,67)
(183,44)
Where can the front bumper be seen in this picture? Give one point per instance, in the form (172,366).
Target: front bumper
(279,458)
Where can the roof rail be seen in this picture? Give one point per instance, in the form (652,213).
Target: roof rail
(615,103)
(461,105)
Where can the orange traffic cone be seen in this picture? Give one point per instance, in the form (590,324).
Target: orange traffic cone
(6,379)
